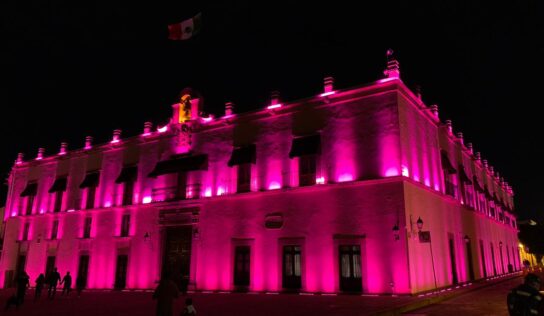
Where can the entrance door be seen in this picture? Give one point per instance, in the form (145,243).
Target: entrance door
(482,254)
(121,272)
(177,255)
(350,268)
(49,265)
(291,267)
(454,278)
(83,269)
(21,262)
(242,267)
(493,258)
(469,259)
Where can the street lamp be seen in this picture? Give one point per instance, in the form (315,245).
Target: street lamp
(396,232)
(419,223)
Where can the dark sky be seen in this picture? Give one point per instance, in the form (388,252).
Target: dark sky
(71,68)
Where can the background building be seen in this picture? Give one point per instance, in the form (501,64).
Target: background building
(355,190)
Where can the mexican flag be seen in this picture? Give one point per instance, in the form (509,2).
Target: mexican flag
(185,29)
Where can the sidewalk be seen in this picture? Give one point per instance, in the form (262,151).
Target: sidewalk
(135,303)
(430,298)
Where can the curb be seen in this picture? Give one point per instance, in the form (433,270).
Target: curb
(437,299)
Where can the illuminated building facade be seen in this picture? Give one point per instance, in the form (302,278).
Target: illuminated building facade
(355,190)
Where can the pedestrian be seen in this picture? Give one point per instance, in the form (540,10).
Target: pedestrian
(23,282)
(54,278)
(40,281)
(80,285)
(526,298)
(165,293)
(189,309)
(67,281)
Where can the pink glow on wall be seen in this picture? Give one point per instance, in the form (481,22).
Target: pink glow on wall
(274,106)
(207,119)
(13,213)
(392,172)
(324,94)
(345,177)
(320,180)
(274,185)
(107,204)
(220,191)
(147,200)
(42,211)
(70,210)
(208,192)
(162,129)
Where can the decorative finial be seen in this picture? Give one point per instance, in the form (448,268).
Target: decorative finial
(393,69)
(147,128)
(40,153)
(229,108)
(63,147)
(20,157)
(88,142)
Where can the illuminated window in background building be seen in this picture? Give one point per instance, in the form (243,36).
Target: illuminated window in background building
(57,191)
(30,194)
(89,184)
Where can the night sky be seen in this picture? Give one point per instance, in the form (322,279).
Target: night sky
(74,69)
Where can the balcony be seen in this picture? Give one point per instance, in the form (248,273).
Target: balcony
(175,193)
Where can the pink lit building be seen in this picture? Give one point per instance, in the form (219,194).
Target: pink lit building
(354,190)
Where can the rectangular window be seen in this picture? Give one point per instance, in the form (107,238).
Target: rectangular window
(128,191)
(451,187)
(121,272)
(181,192)
(243,181)
(292,267)
(91,193)
(87,227)
(29,204)
(54,229)
(125,225)
(241,266)
(25,231)
(83,270)
(350,268)
(306,170)
(58,201)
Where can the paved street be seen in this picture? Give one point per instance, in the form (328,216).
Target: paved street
(485,301)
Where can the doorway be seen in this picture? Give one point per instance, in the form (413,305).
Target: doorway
(121,272)
(177,255)
(350,268)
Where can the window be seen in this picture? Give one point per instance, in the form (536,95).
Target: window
(87,227)
(128,190)
(29,204)
(291,267)
(350,268)
(241,266)
(25,231)
(30,193)
(54,229)
(244,178)
(181,192)
(58,201)
(90,183)
(57,191)
(127,177)
(125,225)
(451,187)
(306,170)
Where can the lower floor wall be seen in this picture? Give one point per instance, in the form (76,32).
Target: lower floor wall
(327,239)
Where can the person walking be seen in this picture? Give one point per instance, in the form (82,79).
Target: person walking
(53,281)
(23,282)
(80,285)
(526,298)
(40,281)
(67,281)
(165,293)
(189,309)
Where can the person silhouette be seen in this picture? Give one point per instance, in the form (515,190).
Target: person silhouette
(53,281)
(165,293)
(23,282)
(67,281)
(40,281)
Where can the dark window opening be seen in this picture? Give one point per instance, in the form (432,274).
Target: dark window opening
(125,225)
(87,227)
(121,272)
(25,231)
(54,229)
(307,170)
(292,267)
(243,181)
(242,266)
(350,268)
(58,201)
